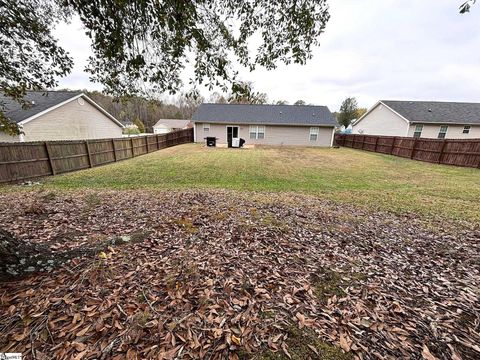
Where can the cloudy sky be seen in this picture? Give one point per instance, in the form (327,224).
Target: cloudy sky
(372,49)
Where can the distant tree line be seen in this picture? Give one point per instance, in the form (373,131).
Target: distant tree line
(143,112)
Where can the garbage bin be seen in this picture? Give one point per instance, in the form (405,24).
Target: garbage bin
(211,141)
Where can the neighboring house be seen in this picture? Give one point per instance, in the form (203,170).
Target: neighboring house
(427,119)
(59,115)
(265,124)
(164,126)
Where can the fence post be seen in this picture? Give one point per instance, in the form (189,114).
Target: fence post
(158,144)
(376,143)
(413,147)
(89,154)
(363,142)
(50,160)
(133,149)
(440,156)
(114,151)
(146,143)
(393,145)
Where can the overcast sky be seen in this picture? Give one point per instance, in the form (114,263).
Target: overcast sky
(372,49)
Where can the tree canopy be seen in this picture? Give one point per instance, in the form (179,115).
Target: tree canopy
(244,93)
(142,47)
(348,111)
(465,7)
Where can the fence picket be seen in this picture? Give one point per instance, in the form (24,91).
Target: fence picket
(49,156)
(458,152)
(67,156)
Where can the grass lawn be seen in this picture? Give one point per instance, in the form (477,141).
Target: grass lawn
(296,259)
(345,175)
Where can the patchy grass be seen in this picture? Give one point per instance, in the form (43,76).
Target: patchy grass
(304,344)
(345,175)
(328,283)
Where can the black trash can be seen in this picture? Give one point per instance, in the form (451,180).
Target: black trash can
(211,141)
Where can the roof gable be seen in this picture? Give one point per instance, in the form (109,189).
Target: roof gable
(42,102)
(379,103)
(436,112)
(265,114)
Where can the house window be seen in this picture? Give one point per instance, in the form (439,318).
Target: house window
(418,131)
(442,132)
(206,127)
(314,131)
(257,132)
(466,129)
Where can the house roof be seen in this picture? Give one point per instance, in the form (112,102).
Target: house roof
(436,112)
(173,123)
(265,114)
(43,102)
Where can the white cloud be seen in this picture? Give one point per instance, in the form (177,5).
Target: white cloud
(372,49)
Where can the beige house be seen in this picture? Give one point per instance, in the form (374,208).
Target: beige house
(59,115)
(427,119)
(164,126)
(293,125)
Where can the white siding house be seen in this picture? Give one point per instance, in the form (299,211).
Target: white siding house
(290,125)
(60,115)
(164,126)
(427,119)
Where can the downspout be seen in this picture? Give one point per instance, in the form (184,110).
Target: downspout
(333,136)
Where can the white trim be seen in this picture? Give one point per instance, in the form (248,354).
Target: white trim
(194,133)
(257,131)
(440,132)
(415,130)
(333,136)
(374,107)
(315,132)
(33,117)
(226,132)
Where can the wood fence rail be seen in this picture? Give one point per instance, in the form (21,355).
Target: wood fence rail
(458,152)
(28,160)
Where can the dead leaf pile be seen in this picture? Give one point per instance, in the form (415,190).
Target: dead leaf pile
(224,274)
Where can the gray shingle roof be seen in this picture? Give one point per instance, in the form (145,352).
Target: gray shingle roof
(42,100)
(173,123)
(437,112)
(265,114)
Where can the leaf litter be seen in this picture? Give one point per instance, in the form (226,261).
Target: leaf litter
(225,274)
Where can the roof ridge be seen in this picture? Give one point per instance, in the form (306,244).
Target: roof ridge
(208,103)
(433,101)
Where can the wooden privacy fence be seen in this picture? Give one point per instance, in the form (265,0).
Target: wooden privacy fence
(21,161)
(459,152)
